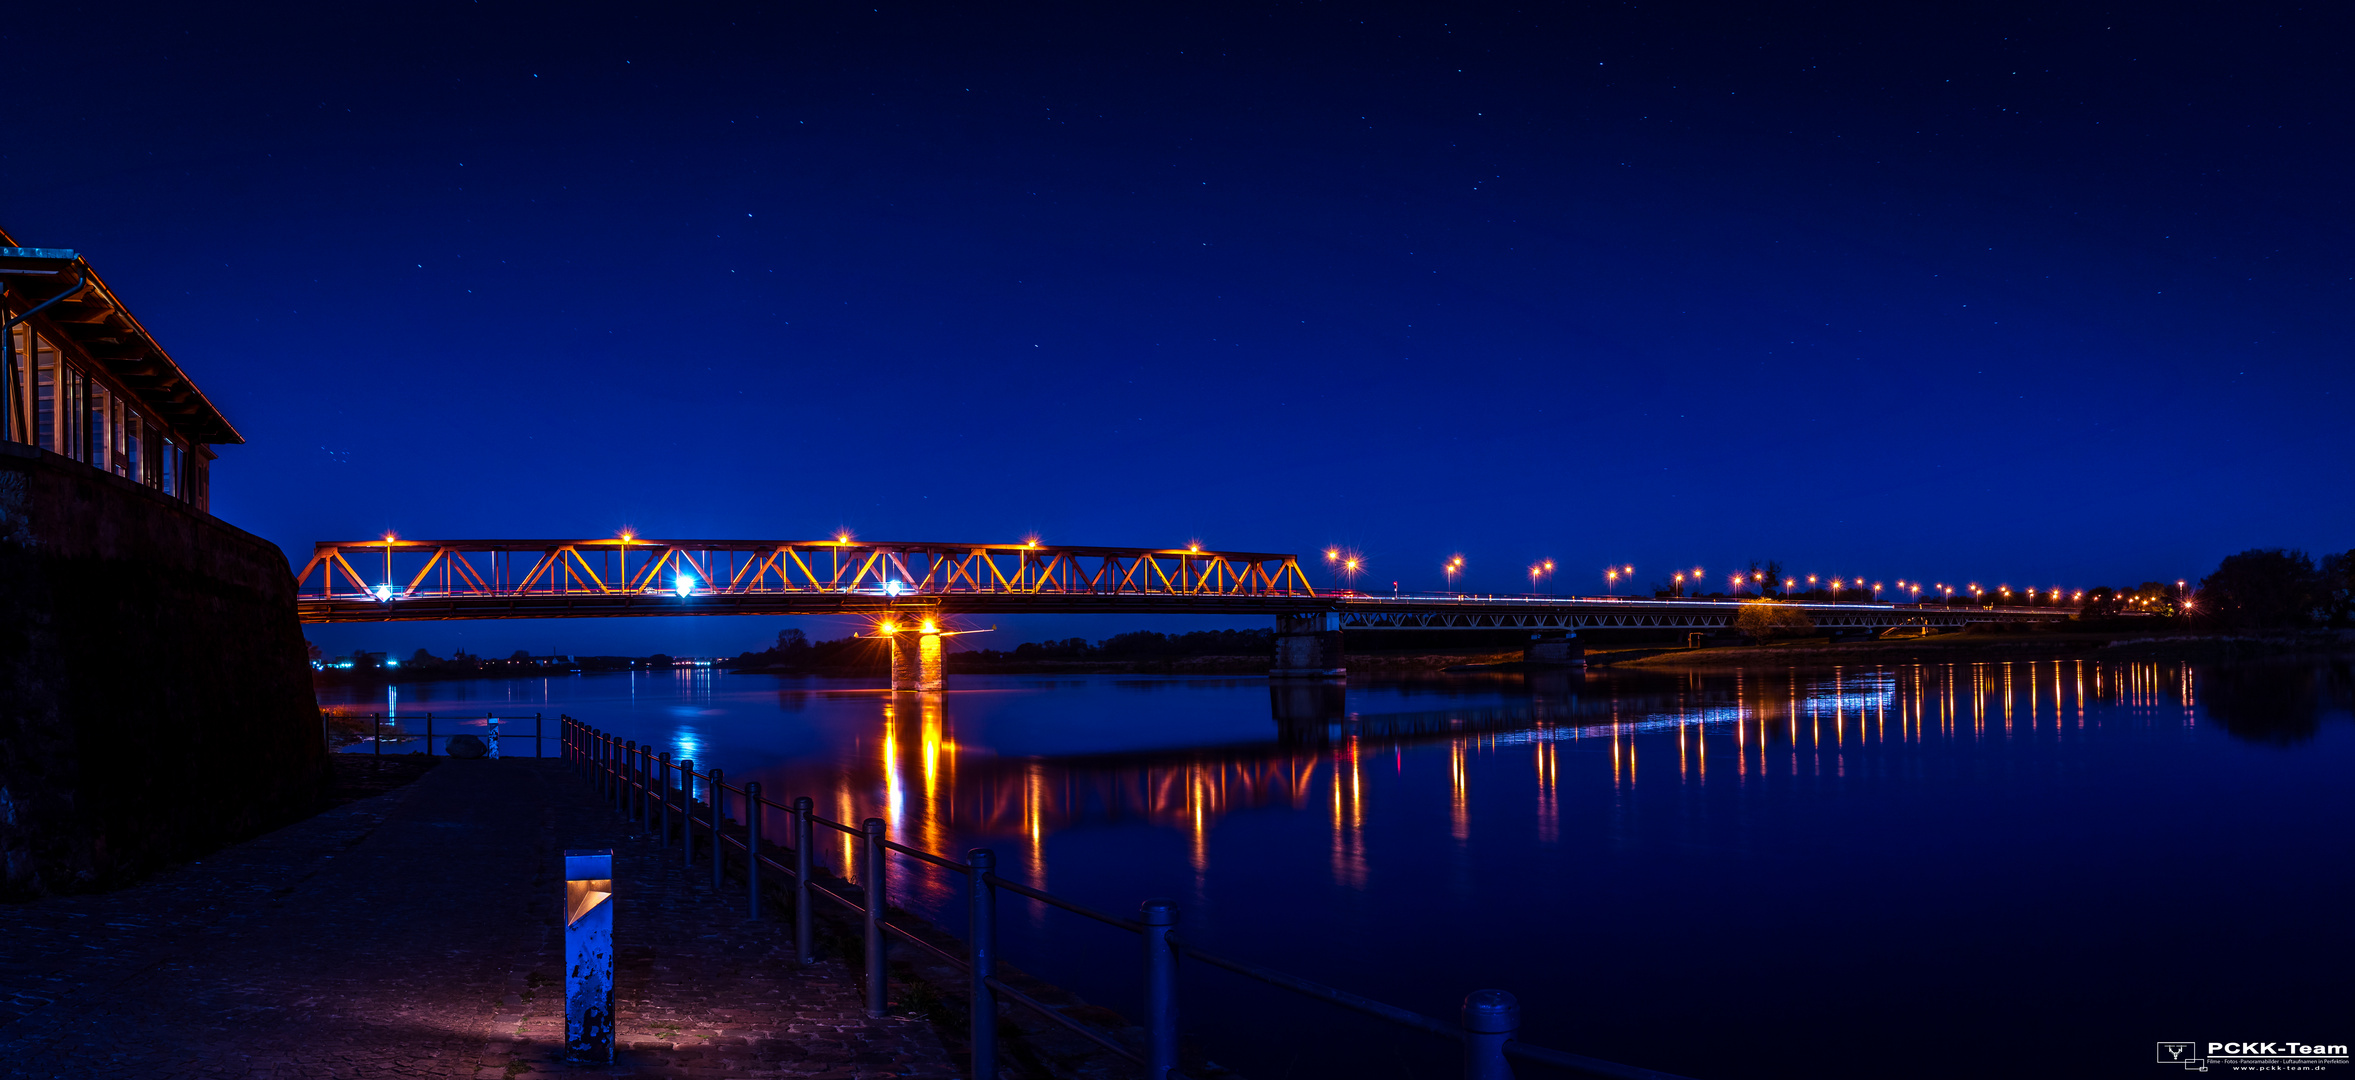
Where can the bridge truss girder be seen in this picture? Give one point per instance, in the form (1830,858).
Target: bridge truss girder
(394,579)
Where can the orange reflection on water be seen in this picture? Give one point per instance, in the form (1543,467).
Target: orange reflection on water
(1459,808)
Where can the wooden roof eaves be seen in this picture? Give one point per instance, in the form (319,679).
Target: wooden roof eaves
(201,424)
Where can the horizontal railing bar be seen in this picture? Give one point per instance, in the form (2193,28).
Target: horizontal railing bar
(927,946)
(1416,1020)
(946,864)
(1057,1016)
(837,897)
(1586,1064)
(1056,901)
(1318,990)
(836,826)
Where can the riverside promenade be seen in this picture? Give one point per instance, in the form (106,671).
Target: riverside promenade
(417,934)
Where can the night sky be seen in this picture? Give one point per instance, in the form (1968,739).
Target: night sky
(2049,296)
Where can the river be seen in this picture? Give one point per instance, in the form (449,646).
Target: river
(2031,868)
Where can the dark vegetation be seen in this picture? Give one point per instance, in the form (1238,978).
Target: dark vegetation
(2274,588)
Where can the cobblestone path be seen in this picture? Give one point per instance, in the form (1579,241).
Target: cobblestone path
(416,934)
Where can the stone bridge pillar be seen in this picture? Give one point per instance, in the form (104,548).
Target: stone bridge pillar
(1308,647)
(916,661)
(1554,649)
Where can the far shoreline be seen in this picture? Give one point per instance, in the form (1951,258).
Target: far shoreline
(1809,651)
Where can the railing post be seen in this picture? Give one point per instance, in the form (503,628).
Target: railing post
(981,940)
(687,811)
(752,848)
(539,738)
(428,734)
(1159,915)
(662,801)
(1490,1018)
(629,767)
(871,884)
(646,752)
(802,830)
(376,732)
(642,764)
(719,847)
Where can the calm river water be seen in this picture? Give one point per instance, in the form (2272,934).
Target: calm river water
(2025,868)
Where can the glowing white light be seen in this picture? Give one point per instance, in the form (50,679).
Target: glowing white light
(686,585)
(891,588)
(384,593)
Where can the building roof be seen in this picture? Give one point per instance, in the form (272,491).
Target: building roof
(93,323)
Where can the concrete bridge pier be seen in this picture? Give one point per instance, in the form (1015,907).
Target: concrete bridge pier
(1308,647)
(1554,650)
(916,661)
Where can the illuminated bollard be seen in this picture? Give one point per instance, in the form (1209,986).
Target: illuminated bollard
(491,740)
(588,955)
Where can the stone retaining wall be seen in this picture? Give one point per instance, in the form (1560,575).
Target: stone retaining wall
(155,696)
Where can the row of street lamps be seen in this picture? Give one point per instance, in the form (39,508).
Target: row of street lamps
(1349,564)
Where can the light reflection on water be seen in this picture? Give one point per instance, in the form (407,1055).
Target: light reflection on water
(1780,836)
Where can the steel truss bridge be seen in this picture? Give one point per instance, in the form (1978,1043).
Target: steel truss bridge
(392,580)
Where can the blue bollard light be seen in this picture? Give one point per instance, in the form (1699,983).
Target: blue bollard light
(588,955)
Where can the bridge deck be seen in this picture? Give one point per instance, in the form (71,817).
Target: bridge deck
(411,580)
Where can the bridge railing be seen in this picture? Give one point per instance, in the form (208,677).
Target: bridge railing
(391,570)
(383,729)
(671,799)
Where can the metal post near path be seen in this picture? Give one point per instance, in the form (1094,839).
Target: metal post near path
(981,944)
(1159,916)
(871,882)
(752,849)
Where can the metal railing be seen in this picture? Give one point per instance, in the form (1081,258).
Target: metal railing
(638,781)
(378,734)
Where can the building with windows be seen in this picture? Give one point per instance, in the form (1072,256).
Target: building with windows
(86,381)
(155,701)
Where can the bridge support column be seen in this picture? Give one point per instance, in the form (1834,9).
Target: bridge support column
(916,661)
(1308,647)
(1554,650)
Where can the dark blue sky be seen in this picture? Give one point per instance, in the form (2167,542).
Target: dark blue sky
(2053,296)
